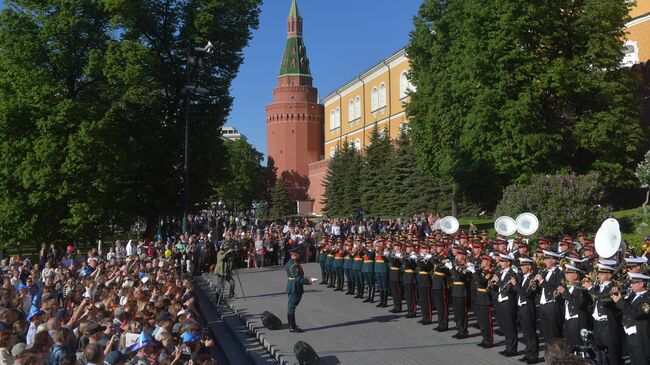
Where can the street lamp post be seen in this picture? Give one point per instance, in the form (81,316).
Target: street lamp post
(193,57)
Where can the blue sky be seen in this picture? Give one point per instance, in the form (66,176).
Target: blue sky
(343,39)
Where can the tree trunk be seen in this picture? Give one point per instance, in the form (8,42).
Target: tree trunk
(645,203)
(454,205)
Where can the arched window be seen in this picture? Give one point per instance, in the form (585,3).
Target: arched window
(332,152)
(382,95)
(351,116)
(357,144)
(403,85)
(357,108)
(333,124)
(374,98)
(630,54)
(338,116)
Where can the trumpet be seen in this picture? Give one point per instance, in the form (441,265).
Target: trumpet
(556,293)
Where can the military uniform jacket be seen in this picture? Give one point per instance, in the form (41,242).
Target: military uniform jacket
(322,258)
(424,273)
(381,263)
(604,304)
(477,265)
(338,259)
(395,269)
(503,291)
(482,279)
(357,265)
(368,262)
(330,259)
(295,277)
(410,266)
(547,287)
(348,260)
(459,280)
(636,313)
(439,277)
(525,294)
(577,302)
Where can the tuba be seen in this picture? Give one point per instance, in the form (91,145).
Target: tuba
(449,224)
(608,239)
(526,224)
(505,226)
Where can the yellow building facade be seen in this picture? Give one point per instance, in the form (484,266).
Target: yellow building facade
(637,44)
(376,97)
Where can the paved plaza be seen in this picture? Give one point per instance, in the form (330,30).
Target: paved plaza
(344,330)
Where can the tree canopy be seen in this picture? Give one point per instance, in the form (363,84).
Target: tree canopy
(243,178)
(509,89)
(92,110)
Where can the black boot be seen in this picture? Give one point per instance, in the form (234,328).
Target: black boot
(350,288)
(381,299)
(385,304)
(293,327)
(324,282)
(331,278)
(371,295)
(360,291)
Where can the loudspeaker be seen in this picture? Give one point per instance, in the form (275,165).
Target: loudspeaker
(270,321)
(305,354)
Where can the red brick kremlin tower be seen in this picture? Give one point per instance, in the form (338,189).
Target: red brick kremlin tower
(294,120)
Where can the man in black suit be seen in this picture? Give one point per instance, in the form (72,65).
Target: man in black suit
(506,301)
(526,293)
(576,301)
(550,306)
(636,318)
(460,281)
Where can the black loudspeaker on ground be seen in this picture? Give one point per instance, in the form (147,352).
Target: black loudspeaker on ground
(271,321)
(305,354)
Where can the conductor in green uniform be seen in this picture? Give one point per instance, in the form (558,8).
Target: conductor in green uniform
(295,281)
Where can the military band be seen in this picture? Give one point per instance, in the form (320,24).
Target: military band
(565,286)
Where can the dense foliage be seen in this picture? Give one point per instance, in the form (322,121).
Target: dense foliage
(92,114)
(510,89)
(242,181)
(384,181)
(564,204)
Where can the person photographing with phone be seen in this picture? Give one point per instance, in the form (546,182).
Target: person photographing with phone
(295,281)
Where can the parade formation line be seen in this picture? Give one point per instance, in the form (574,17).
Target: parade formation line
(344,330)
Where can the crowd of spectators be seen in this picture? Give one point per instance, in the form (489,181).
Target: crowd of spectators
(119,303)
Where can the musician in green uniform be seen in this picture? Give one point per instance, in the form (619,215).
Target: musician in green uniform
(322,260)
(368,271)
(295,281)
(348,260)
(381,273)
(329,266)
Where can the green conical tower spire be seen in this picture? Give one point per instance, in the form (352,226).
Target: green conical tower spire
(294,60)
(293,12)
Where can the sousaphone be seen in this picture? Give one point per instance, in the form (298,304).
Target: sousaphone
(505,226)
(449,224)
(527,224)
(608,239)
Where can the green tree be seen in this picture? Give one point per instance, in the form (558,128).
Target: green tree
(376,167)
(281,205)
(342,196)
(92,114)
(643,175)
(242,181)
(508,89)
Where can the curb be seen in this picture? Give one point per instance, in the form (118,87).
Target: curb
(261,337)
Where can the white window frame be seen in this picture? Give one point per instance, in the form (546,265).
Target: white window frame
(382,95)
(351,116)
(338,116)
(357,144)
(332,152)
(333,124)
(403,85)
(357,107)
(374,97)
